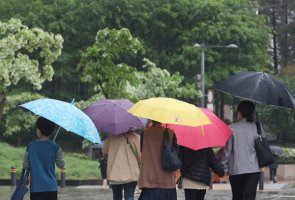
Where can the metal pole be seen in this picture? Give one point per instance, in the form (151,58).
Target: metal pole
(203,47)
(13,176)
(203,75)
(62,178)
(261,180)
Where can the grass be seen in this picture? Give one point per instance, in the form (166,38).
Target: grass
(78,166)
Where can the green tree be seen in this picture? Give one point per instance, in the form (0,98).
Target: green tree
(156,82)
(166,28)
(19,122)
(26,56)
(105,64)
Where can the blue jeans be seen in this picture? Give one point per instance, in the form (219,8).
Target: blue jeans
(128,188)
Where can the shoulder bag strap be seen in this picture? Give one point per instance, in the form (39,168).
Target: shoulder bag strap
(165,136)
(174,142)
(133,149)
(141,140)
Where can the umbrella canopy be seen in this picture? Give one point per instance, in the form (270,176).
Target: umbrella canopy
(276,150)
(259,87)
(66,115)
(168,110)
(215,134)
(111,116)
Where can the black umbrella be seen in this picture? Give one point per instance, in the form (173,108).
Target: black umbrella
(259,87)
(277,150)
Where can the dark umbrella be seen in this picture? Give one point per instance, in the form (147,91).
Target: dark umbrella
(276,150)
(259,87)
(111,116)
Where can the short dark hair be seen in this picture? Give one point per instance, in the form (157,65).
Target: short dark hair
(155,123)
(246,108)
(45,126)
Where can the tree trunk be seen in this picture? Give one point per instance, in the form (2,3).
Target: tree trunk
(2,103)
(19,140)
(274,39)
(221,106)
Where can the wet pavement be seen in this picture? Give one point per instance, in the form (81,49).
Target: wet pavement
(278,191)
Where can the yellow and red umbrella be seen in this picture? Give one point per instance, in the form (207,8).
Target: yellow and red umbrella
(169,110)
(215,134)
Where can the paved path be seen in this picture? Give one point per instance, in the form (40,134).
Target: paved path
(278,191)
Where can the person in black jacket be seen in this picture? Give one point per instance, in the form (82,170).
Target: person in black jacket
(195,171)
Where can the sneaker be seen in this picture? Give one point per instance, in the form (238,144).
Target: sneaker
(275,180)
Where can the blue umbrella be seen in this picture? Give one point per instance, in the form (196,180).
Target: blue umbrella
(21,187)
(66,115)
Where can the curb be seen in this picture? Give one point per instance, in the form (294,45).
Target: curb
(69,182)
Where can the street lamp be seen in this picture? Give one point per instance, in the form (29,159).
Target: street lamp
(203,47)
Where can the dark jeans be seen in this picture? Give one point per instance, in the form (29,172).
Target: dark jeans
(244,186)
(43,196)
(191,194)
(272,173)
(128,188)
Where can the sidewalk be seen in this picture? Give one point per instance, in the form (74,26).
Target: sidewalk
(268,186)
(221,191)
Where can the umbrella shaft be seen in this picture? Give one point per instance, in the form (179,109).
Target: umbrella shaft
(56,133)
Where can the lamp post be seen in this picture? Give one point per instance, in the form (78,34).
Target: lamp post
(203,47)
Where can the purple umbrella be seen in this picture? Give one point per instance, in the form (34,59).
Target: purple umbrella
(111,116)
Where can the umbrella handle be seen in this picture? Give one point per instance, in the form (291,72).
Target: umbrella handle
(72,102)
(56,133)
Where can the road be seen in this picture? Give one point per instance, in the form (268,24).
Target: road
(220,192)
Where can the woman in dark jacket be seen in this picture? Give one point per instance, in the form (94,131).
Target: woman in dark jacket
(195,171)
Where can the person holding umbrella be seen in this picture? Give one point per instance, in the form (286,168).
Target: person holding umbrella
(273,169)
(123,163)
(121,147)
(276,151)
(195,171)
(155,182)
(238,157)
(40,159)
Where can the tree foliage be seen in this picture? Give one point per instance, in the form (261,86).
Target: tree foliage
(26,54)
(280,14)
(105,66)
(167,29)
(103,63)
(165,61)
(156,82)
(18,122)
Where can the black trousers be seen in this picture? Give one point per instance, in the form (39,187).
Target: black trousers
(43,196)
(244,186)
(191,194)
(272,173)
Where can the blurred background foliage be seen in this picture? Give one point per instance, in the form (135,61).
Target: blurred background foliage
(140,49)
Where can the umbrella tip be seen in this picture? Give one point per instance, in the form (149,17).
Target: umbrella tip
(73,101)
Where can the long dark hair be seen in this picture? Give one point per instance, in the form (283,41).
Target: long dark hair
(246,108)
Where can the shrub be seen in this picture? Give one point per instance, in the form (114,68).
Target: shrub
(288,156)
